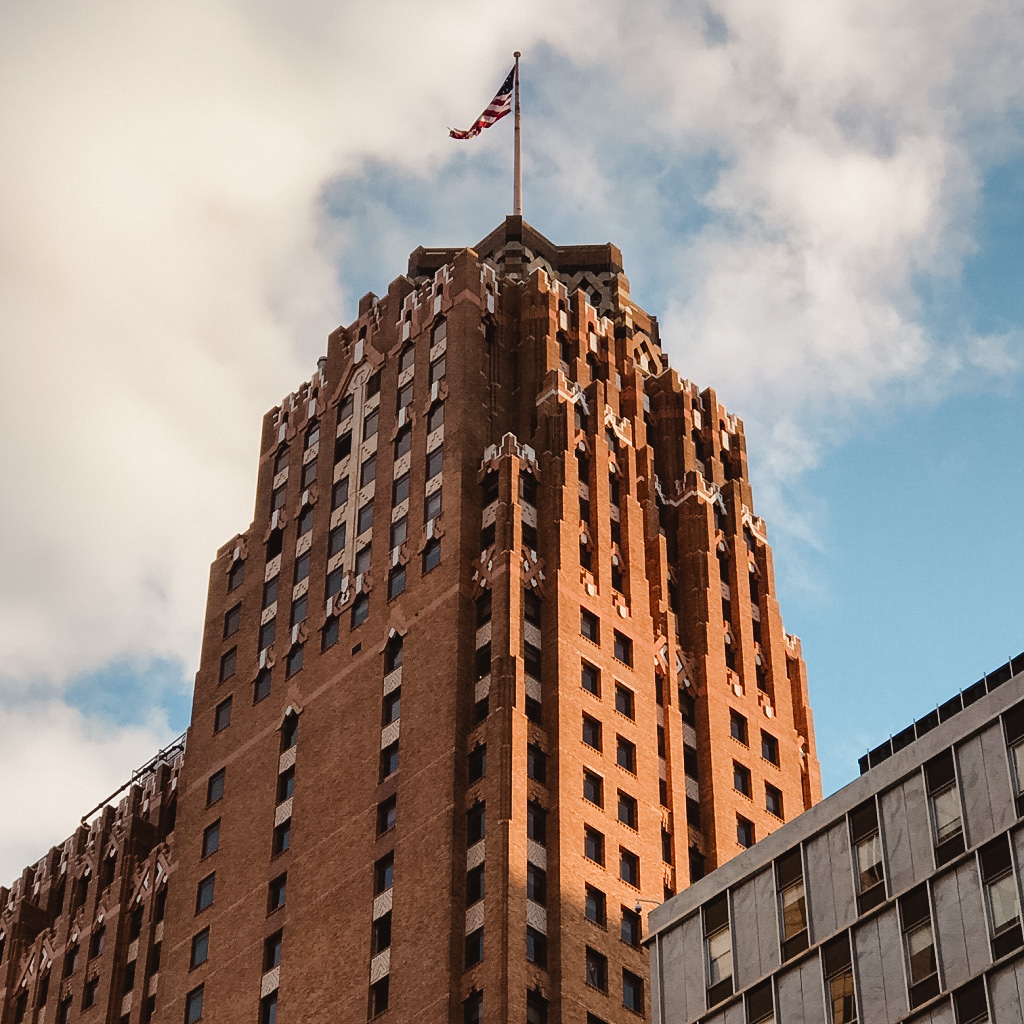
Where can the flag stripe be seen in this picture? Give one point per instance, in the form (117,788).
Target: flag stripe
(494,111)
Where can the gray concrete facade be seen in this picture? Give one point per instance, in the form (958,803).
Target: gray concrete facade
(897,899)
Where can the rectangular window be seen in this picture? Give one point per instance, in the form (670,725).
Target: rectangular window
(396,582)
(368,471)
(476,823)
(629,867)
(597,970)
(970,1003)
(536,1008)
(228,662)
(738,726)
(298,612)
(1001,898)
(277,893)
(272,946)
(473,1009)
(919,945)
(838,971)
(434,462)
(536,947)
(591,679)
(474,947)
(623,648)
(592,732)
(475,885)
(628,810)
(624,701)
(717,948)
(1013,724)
(630,932)
(773,800)
(211,839)
(364,518)
(204,892)
(944,803)
(293,663)
(437,369)
(632,991)
(380,992)
(744,831)
(222,715)
(339,493)
(590,627)
(769,748)
(343,446)
(387,815)
(741,778)
(194,1005)
(384,874)
(536,822)
(432,506)
(285,784)
(404,397)
(536,884)
(282,836)
(476,763)
(270,592)
(370,424)
(595,907)
(268,1008)
(268,632)
(536,763)
(625,754)
(200,948)
(389,761)
(867,853)
(789,877)
(531,607)
(381,934)
(400,491)
(215,786)
(760,1004)
(593,788)
(335,543)
(232,620)
(431,555)
(593,844)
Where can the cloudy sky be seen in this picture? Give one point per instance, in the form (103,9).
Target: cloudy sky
(821,199)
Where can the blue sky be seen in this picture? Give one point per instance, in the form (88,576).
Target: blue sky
(822,203)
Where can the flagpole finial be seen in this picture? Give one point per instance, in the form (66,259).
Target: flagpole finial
(517,55)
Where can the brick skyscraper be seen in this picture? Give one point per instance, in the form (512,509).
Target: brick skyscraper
(498,659)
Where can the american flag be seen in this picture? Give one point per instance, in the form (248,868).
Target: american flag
(494,111)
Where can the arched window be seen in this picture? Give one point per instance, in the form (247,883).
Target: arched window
(281,460)
(407,359)
(289,731)
(312,434)
(393,654)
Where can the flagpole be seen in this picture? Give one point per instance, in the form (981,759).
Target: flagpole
(517,167)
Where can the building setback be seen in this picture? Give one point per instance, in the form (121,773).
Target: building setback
(498,660)
(896,899)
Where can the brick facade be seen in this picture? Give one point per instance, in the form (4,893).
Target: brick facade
(493,459)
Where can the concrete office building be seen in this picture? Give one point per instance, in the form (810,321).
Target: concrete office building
(896,899)
(498,657)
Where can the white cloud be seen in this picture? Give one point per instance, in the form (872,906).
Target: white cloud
(74,761)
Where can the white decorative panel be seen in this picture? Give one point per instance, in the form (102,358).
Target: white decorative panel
(393,680)
(341,468)
(380,966)
(435,438)
(482,688)
(281,478)
(300,589)
(272,569)
(126,1005)
(270,981)
(383,903)
(531,634)
(533,688)
(436,350)
(483,634)
(311,453)
(489,514)
(133,951)
(689,735)
(537,917)
(158,932)
(536,854)
(529,514)
(283,812)
(692,788)
(154,982)
(406,375)
(335,560)
(304,543)
(268,613)
(389,733)
(287,760)
(475,917)
(475,855)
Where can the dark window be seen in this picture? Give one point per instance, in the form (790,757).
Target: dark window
(439,332)
(373,385)
(277,497)
(773,800)
(632,991)
(474,947)
(381,938)
(839,980)
(530,537)
(536,947)
(717,949)
(435,418)
(384,874)
(200,950)
(268,1008)
(476,823)
(789,877)
(222,715)
(969,1002)
(298,612)
(389,760)
(476,762)
(536,1008)
(379,995)
(867,853)
(944,803)
(399,532)
(392,707)
(289,731)
(277,893)
(593,844)
(744,831)
(623,648)
(919,945)
(282,837)
(625,754)
(597,970)
(483,608)
(629,867)
(769,747)
(285,784)
(473,1008)
(624,703)
(236,575)
(536,763)
(432,554)
(396,582)
(370,424)
(97,941)
(272,950)
(339,493)
(293,663)
(345,408)
(474,885)
(432,506)
(687,707)
(280,460)
(387,815)
(364,558)
(536,884)
(312,434)
(228,662)
(308,474)
(270,592)
(691,763)
(329,634)
(1001,898)
(215,786)
(593,788)
(627,810)
(434,461)
(360,610)
(407,359)
(364,518)
(595,907)
(534,710)
(590,679)
(305,520)
(592,732)
(393,650)
(336,542)
(437,369)
(194,1005)
(532,660)
(204,892)
(738,726)
(343,447)
(532,606)
(268,632)
(404,397)
(630,933)
(536,822)
(760,1004)
(740,778)
(211,839)
(400,491)
(368,471)
(589,626)
(232,620)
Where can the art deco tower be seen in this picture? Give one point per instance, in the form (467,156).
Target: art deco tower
(498,659)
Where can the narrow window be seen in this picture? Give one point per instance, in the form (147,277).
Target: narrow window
(623,648)
(389,761)
(387,815)
(391,707)
(944,802)
(593,788)
(236,575)
(589,626)
(592,732)
(381,937)
(272,946)
(1013,723)
(595,906)
(200,949)
(630,931)
(536,947)
(400,491)
(194,1005)
(384,874)
(593,844)
(476,763)
(434,462)
(228,662)
(330,633)
(339,493)
(625,754)
(536,822)
(268,1008)
(293,663)
(473,1008)
(211,839)
(536,763)
(590,679)
(867,851)
(435,417)
(393,654)
(204,892)
(628,810)
(360,610)
(773,800)
(632,991)
(629,867)
(342,446)
(1001,898)
(476,823)
(396,582)
(789,876)
(370,424)
(285,784)
(222,715)
(215,786)
(289,731)
(282,836)
(760,1004)
(744,831)
(379,995)
(741,778)
(474,947)
(624,702)
(919,945)
(536,884)
(432,506)
(474,885)
(312,434)
(717,949)
(431,555)
(277,893)
(404,397)
(232,620)
(769,748)
(597,970)
(364,518)
(838,971)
